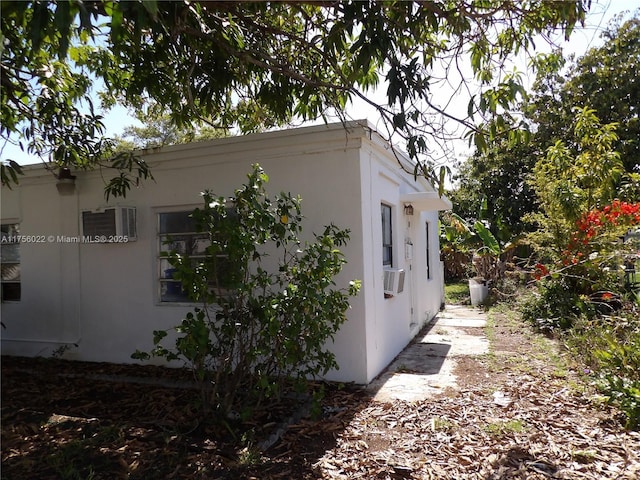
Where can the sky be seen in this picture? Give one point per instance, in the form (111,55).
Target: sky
(581,41)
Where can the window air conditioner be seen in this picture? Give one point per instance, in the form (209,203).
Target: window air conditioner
(393,281)
(111,224)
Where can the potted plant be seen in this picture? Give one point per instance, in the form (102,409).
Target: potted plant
(478,246)
(486,263)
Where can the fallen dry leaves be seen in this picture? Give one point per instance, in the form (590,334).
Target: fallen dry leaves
(513,417)
(544,433)
(72,420)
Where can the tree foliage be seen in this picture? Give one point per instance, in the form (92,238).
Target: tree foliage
(493,184)
(465,244)
(605,79)
(157,130)
(253,65)
(580,225)
(569,184)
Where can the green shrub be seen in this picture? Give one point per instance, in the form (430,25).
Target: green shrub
(269,303)
(625,394)
(619,371)
(610,347)
(554,304)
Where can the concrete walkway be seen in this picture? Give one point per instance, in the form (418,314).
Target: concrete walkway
(425,367)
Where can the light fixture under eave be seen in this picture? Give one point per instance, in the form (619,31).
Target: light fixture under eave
(408,209)
(66,183)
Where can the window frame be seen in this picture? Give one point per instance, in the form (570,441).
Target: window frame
(196,252)
(161,262)
(387,234)
(428,249)
(11,237)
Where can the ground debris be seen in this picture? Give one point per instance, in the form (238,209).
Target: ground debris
(494,427)
(76,425)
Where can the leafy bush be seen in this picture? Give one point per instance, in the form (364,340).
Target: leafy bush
(622,391)
(610,347)
(588,276)
(582,278)
(555,303)
(269,303)
(584,289)
(465,248)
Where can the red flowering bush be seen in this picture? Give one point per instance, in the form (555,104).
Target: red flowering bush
(592,262)
(611,217)
(596,235)
(540,271)
(585,287)
(598,231)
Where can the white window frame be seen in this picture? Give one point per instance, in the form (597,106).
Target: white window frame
(162,265)
(387,248)
(428,248)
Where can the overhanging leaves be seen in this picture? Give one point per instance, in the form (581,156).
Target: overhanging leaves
(258,65)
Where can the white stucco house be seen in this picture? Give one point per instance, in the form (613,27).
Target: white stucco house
(105,299)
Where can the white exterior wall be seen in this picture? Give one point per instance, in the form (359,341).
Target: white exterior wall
(104,297)
(393,322)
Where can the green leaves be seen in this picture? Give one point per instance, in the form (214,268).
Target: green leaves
(9,171)
(599,80)
(582,141)
(152,7)
(569,184)
(489,242)
(618,361)
(253,66)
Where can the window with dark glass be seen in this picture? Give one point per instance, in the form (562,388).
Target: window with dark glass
(177,232)
(428,252)
(10,262)
(387,236)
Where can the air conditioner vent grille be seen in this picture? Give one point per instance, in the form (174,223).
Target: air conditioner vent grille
(393,281)
(96,224)
(113,224)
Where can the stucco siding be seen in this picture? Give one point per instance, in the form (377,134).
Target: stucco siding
(104,298)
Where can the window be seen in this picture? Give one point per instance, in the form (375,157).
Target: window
(177,231)
(10,262)
(428,253)
(387,236)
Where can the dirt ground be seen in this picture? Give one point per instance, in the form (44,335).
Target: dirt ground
(523,411)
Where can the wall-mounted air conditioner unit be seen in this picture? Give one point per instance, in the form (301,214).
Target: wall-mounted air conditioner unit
(393,281)
(110,224)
